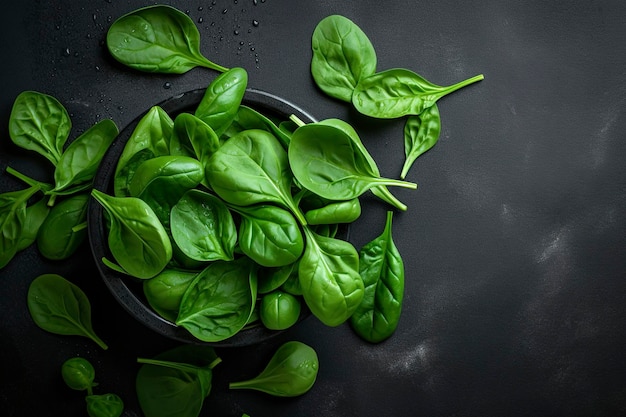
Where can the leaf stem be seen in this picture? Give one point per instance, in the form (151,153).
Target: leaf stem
(449,89)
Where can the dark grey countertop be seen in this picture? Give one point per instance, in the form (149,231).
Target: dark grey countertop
(514,243)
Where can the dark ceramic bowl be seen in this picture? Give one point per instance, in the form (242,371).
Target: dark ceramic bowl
(127,290)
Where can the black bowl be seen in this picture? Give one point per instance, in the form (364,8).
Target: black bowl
(127,290)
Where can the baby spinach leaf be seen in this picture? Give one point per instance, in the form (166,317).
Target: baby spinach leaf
(329,276)
(271,278)
(382,270)
(291,371)
(149,139)
(59,306)
(176,382)
(157,39)
(137,239)
(220,300)
(325,160)
(78,374)
(400,92)
(279,310)
(342,55)
(222,98)
(64,229)
(163,180)
(250,168)
(104,405)
(39,123)
(203,227)
(80,161)
(193,137)
(421,133)
(35,215)
(269,235)
(335,212)
(12,219)
(165,291)
(247,118)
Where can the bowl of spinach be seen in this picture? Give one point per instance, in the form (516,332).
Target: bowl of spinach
(197,240)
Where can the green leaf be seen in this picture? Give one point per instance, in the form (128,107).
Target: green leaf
(59,306)
(59,237)
(421,133)
(12,219)
(382,270)
(157,39)
(342,55)
(39,123)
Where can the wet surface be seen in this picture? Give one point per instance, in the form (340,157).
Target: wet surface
(514,243)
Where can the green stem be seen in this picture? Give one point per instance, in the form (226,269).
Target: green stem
(457,86)
(396,183)
(211,65)
(28,180)
(384,194)
(79,227)
(296,120)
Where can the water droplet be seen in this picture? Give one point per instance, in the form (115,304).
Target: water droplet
(255,2)
(200,20)
(236,1)
(187,11)
(200,8)
(109,19)
(252,48)
(213,3)
(97,68)
(255,23)
(76,54)
(94,17)
(224,11)
(67,52)
(58,27)
(167,85)
(236,32)
(109,1)
(241,43)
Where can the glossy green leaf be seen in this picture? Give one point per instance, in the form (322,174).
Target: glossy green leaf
(59,306)
(279,310)
(291,371)
(64,230)
(80,161)
(203,227)
(325,160)
(39,123)
(421,133)
(221,100)
(382,270)
(137,239)
(269,235)
(149,139)
(220,300)
(165,291)
(157,39)
(104,405)
(13,206)
(342,55)
(330,280)
(248,118)
(400,92)
(335,212)
(35,215)
(251,168)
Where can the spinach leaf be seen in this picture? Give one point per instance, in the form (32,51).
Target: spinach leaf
(421,133)
(247,118)
(291,371)
(80,161)
(104,405)
(400,92)
(165,291)
(176,382)
(221,100)
(39,123)
(193,137)
(279,310)
(35,215)
(163,180)
(64,229)
(58,306)
(78,374)
(203,227)
(157,39)
(325,160)
(336,212)
(329,276)
(271,278)
(269,235)
(250,168)
(137,239)
(149,139)
(220,300)
(342,55)
(12,219)
(382,270)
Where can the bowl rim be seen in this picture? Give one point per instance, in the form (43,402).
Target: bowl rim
(119,284)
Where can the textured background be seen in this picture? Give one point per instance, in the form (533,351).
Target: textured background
(514,244)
